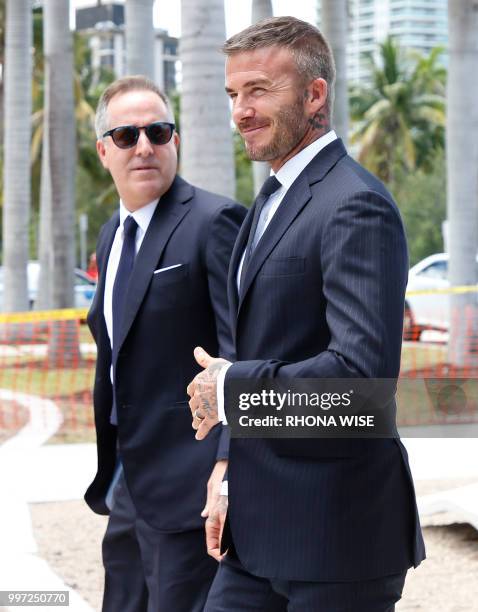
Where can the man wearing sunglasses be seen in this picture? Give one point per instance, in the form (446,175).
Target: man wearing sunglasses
(162,261)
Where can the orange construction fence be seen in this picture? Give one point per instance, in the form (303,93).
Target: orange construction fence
(50,357)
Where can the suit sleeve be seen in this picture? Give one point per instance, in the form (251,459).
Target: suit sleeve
(364,264)
(221,238)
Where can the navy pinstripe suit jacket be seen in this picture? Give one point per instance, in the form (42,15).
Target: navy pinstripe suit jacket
(323,296)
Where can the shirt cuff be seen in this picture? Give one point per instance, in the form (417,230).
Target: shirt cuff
(221,413)
(224,488)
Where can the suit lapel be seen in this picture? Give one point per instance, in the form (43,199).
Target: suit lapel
(170,211)
(294,201)
(102,255)
(236,255)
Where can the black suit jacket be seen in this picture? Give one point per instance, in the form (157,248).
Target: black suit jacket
(166,315)
(323,297)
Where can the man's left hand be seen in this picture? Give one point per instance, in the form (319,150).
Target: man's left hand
(214,486)
(215,526)
(203,393)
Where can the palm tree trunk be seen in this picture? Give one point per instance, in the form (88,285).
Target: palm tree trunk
(261,9)
(59,172)
(17,134)
(462,165)
(335,29)
(139,37)
(44,299)
(206,146)
(2,63)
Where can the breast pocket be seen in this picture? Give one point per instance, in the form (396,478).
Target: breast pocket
(283,266)
(169,289)
(171,276)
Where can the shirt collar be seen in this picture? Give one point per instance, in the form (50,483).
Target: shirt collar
(142,216)
(294,166)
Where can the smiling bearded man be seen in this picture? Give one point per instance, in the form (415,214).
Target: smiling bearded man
(316,287)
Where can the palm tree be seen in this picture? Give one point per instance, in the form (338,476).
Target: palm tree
(400,118)
(59,157)
(17,132)
(139,37)
(57,254)
(462,166)
(95,196)
(335,28)
(261,9)
(206,145)
(2,62)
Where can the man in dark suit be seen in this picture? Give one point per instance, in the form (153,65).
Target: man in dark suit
(316,289)
(162,261)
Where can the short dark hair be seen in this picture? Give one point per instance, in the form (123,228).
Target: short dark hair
(310,50)
(136,82)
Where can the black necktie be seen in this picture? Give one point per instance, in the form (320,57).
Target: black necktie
(125,266)
(270,186)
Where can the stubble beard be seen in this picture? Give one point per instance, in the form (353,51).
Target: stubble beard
(291,125)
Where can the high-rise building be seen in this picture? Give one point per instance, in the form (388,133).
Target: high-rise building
(415,24)
(103,23)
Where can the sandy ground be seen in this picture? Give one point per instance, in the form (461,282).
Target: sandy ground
(69,537)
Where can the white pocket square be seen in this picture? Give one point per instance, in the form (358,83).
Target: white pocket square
(168,268)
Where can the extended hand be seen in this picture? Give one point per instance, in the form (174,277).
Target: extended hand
(203,393)
(214,527)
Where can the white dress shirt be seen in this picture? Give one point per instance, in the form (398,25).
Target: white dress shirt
(142,216)
(286,175)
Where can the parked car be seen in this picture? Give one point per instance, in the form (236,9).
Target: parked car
(85,287)
(432,310)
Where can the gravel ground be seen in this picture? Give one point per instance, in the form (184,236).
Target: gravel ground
(69,537)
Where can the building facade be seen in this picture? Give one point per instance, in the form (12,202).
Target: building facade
(420,25)
(103,24)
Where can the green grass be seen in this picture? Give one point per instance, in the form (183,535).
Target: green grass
(423,398)
(71,390)
(417,356)
(47,383)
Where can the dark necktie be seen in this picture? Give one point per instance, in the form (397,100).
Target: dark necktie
(125,266)
(270,186)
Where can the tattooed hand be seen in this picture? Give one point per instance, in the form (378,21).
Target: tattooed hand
(203,393)
(214,528)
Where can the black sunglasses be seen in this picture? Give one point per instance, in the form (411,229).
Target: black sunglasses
(126,136)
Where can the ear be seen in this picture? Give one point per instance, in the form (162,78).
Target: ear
(176,140)
(101,150)
(317,91)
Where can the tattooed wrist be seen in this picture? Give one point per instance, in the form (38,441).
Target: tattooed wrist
(217,366)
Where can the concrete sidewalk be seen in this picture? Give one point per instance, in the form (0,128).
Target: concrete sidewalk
(29,472)
(61,472)
(446,459)
(32,472)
